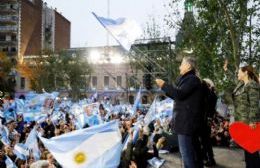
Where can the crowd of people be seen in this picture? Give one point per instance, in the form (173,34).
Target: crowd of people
(141,142)
(150,138)
(135,154)
(192,112)
(220,131)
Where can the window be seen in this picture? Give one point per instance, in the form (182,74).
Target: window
(2,37)
(94,81)
(8,38)
(5,49)
(119,81)
(106,81)
(131,99)
(13,37)
(13,49)
(22,82)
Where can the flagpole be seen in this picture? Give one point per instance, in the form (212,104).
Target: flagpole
(108,15)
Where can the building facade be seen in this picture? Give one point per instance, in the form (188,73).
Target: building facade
(27,27)
(112,74)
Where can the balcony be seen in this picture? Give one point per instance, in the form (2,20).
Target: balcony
(9,1)
(4,43)
(8,8)
(8,19)
(8,29)
(11,53)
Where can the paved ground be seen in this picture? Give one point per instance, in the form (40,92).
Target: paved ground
(225,158)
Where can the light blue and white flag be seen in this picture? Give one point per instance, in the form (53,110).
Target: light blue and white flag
(97,146)
(21,151)
(125,31)
(4,135)
(9,163)
(151,114)
(165,108)
(94,97)
(159,110)
(34,114)
(135,130)
(137,101)
(32,144)
(20,106)
(77,111)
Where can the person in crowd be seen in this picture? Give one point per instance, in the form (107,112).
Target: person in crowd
(9,152)
(21,163)
(210,101)
(2,155)
(92,119)
(137,154)
(49,129)
(187,96)
(51,160)
(40,164)
(246,98)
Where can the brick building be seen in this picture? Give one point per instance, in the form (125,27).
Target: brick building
(29,26)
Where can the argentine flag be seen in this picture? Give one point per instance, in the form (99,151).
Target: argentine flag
(137,100)
(97,146)
(125,31)
(151,114)
(9,163)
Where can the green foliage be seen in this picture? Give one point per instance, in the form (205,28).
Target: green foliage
(221,30)
(7,80)
(61,71)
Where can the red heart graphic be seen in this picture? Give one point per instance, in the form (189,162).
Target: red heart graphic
(247,137)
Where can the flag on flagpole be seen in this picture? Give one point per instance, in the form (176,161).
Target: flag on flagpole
(97,146)
(125,31)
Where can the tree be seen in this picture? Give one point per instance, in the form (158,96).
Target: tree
(54,72)
(7,76)
(222,32)
(75,69)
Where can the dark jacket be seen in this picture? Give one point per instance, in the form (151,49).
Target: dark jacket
(188,109)
(127,156)
(209,101)
(246,102)
(2,162)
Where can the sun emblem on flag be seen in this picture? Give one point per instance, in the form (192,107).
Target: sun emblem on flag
(80,158)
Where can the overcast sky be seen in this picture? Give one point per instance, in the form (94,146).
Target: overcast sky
(86,31)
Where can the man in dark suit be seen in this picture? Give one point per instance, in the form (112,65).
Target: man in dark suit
(188,111)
